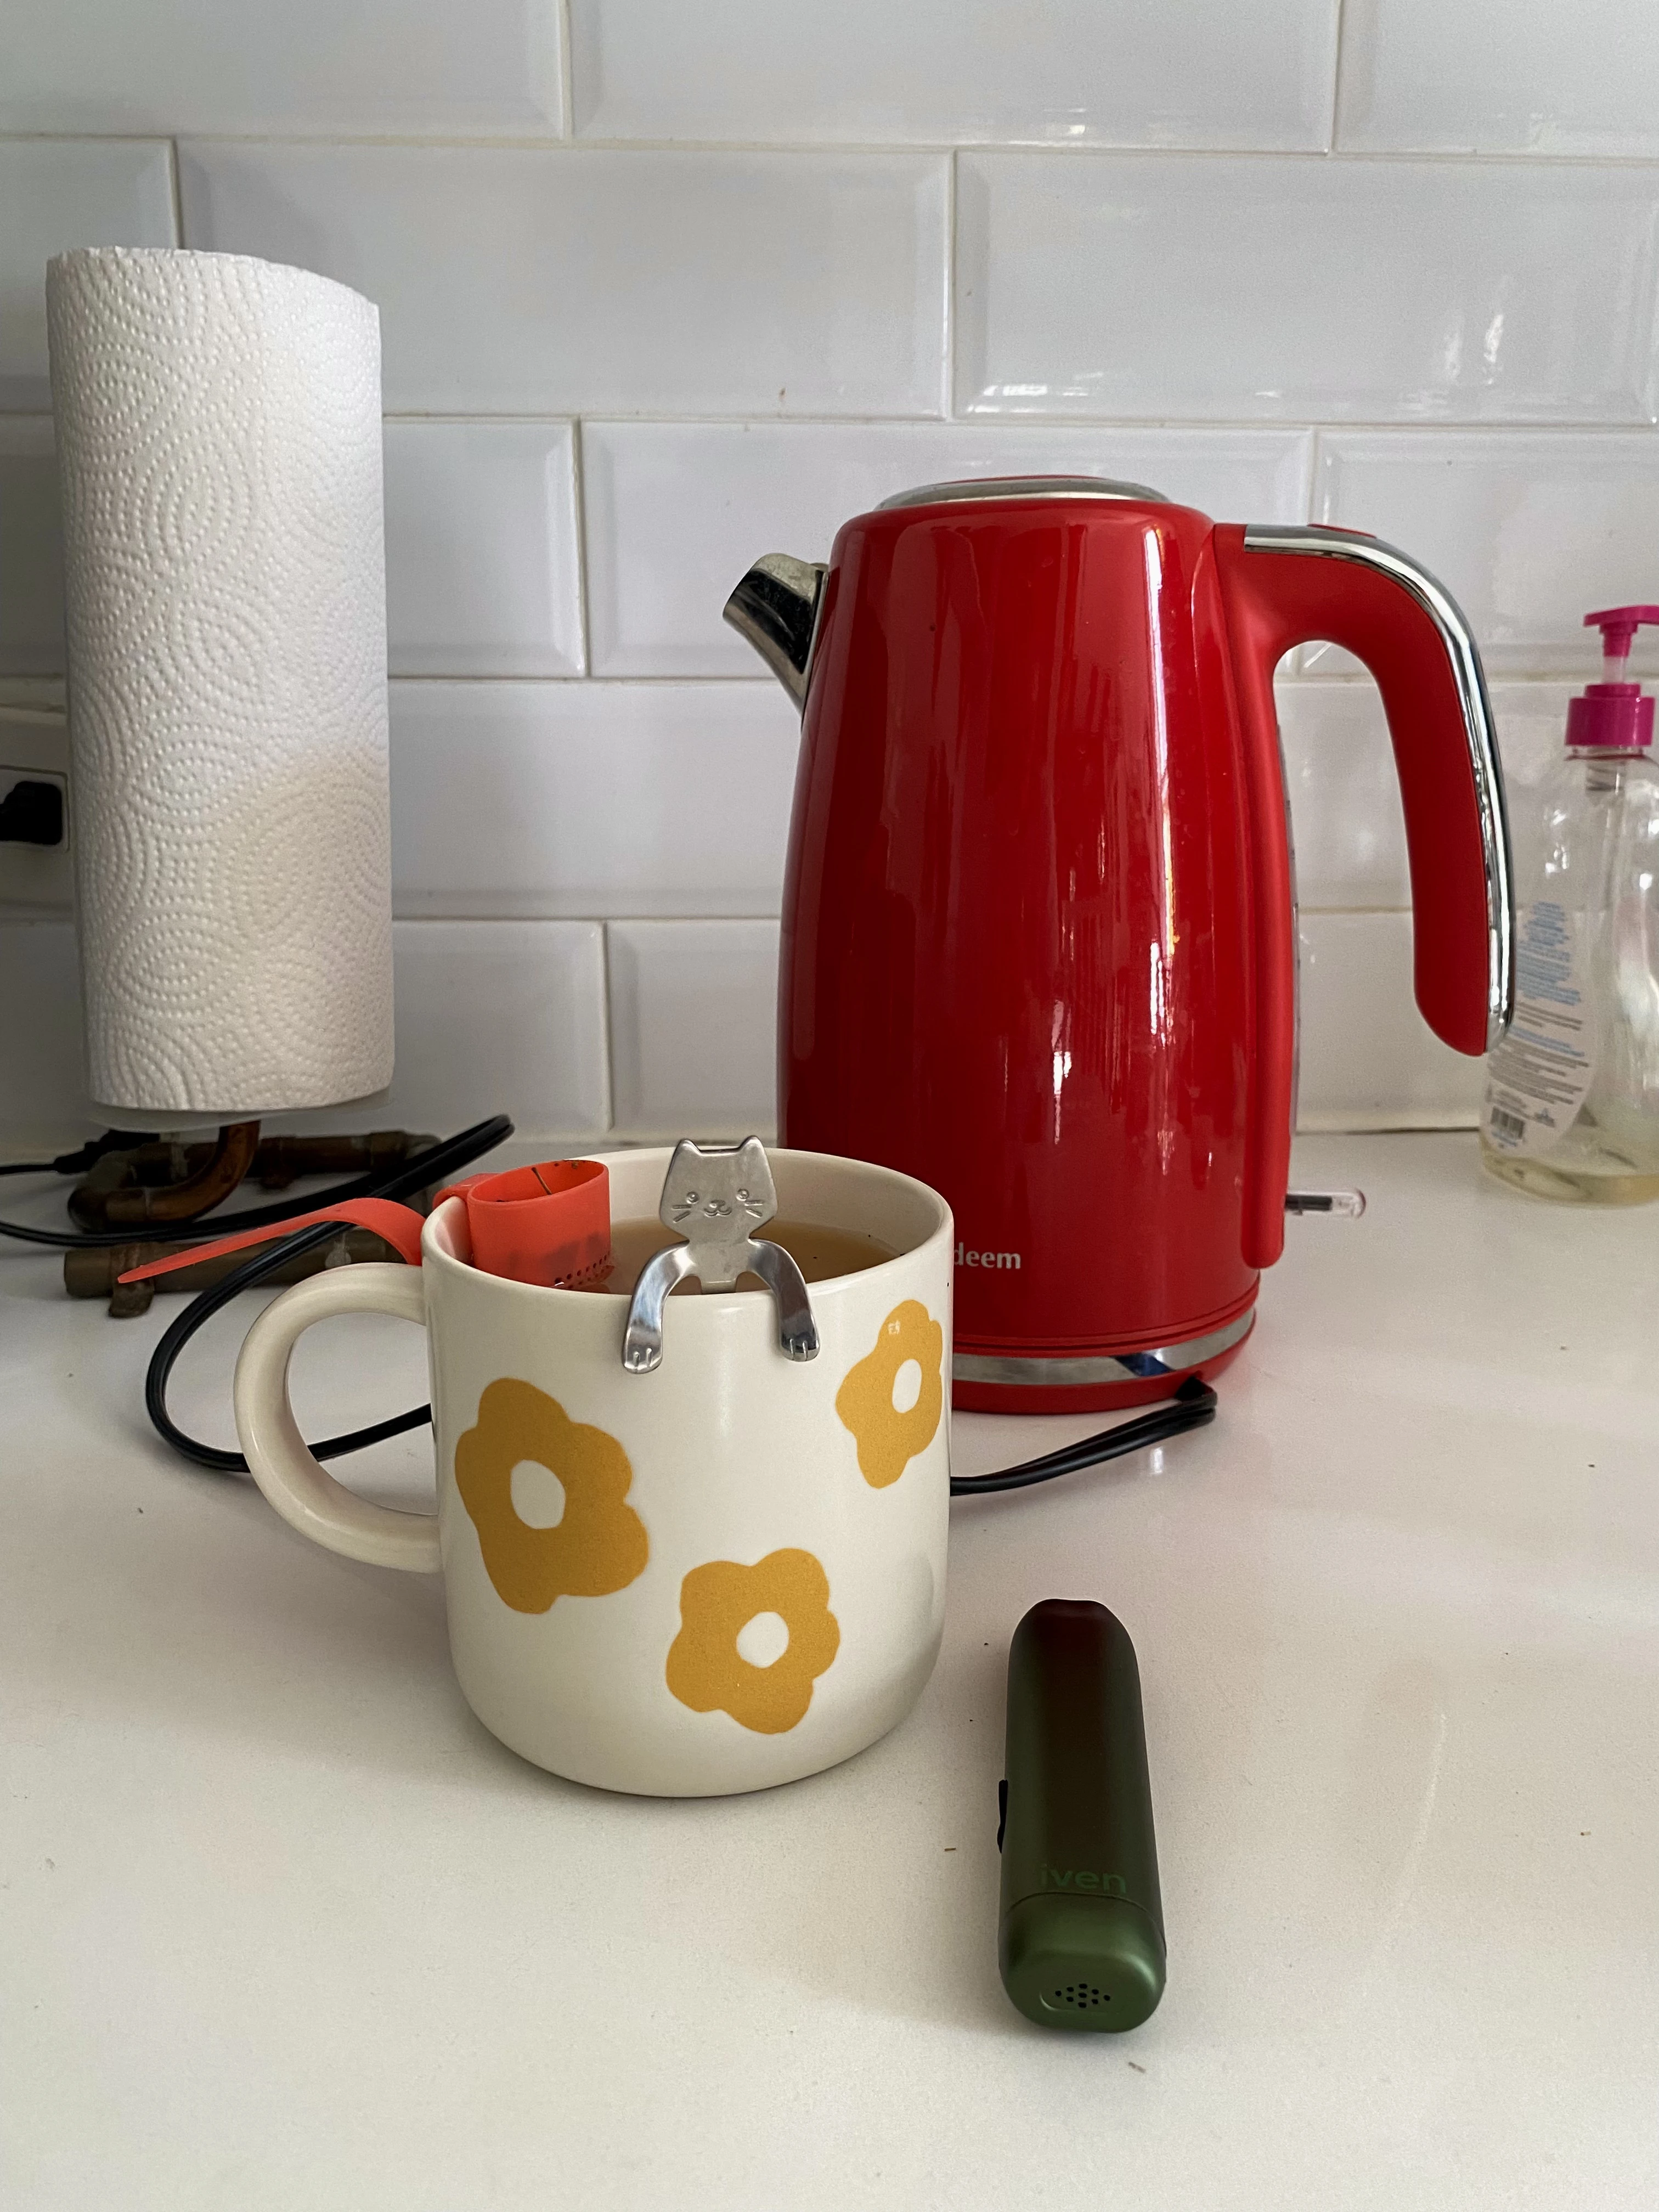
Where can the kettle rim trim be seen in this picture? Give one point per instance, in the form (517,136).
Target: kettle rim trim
(1010,487)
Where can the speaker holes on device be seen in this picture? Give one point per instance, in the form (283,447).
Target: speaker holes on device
(1076,1996)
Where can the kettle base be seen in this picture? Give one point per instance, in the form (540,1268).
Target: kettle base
(1090,1382)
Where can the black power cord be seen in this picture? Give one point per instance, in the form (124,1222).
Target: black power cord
(413,1175)
(1193,1407)
(76,1163)
(438,1164)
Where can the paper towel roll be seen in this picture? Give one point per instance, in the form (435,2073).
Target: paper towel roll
(219,444)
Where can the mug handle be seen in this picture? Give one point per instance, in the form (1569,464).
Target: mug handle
(306,1495)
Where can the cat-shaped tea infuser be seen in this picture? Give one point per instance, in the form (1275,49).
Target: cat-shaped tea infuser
(717,1199)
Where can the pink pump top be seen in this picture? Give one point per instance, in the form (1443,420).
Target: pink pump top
(1614,716)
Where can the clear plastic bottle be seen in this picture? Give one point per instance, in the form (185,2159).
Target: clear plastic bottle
(1571,1108)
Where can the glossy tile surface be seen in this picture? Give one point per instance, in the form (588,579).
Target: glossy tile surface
(36,881)
(1345,796)
(590,799)
(518,280)
(483,573)
(694,1027)
(1394,1613)
(1338,291)
(1194,73)
(675,512)
(492,1016)
(1504,76)
(1526,532)
(1369,1059)
(498,1018)
(31,549)
(43,1096)
(733,311)
(378,65)
(56,193)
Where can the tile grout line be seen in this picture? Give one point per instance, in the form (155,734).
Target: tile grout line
(755,686)
(1336,74)
(43,690)
(606,1025)
(649,921)
(176,187)
(584,612)
(987,424)
(627,919)
(856,149)
(1315,456)
(948,393)
(566,83)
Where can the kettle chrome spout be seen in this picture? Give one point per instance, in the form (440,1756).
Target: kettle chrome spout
(776,608)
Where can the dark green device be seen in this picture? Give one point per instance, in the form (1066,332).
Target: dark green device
(1080,1940)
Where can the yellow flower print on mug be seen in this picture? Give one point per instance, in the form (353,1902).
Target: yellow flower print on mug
(888,1440)
(707,1671)
(599,1547)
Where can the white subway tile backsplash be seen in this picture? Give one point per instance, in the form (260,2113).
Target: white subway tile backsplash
(492,1016)
(1369,1059)
(1139,285)
(499,1018)
(308,65)
(35,880)
(1526,530)
(1532,730)
(1345,797)
(694,1027)
(677,512)
(482,567)
(31,549)
(590,799)
(558,280)
(1500,77)
(482,562)
(740,306)
(1113,72)
(56,193)
(43,1089)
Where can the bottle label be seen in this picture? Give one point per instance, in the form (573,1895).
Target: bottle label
(1540,1072)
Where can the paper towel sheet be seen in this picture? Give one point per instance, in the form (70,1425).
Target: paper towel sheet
(219,443)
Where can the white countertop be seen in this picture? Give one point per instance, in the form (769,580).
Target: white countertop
(281,1926)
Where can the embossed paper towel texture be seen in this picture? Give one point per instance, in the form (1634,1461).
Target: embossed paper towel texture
(219,443)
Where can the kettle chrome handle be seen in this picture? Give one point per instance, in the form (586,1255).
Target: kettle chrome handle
(1282,584)
(1480,732)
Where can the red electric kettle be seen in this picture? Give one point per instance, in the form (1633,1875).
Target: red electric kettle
(1039,916)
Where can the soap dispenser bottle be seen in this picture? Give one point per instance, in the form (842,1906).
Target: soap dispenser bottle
(1571,1108)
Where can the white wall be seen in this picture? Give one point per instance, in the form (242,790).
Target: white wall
(668,283)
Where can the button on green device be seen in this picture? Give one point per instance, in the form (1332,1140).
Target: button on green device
(1080,1940)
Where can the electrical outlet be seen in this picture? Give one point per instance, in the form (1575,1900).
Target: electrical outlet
(35,879)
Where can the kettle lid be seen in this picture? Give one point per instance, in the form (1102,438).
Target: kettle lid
(989,488)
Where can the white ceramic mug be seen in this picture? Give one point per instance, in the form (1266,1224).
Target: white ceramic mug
(728,1503)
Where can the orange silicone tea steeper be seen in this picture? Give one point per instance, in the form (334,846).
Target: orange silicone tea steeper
(550,1224)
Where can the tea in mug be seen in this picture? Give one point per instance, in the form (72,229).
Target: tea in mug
(816,1249)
